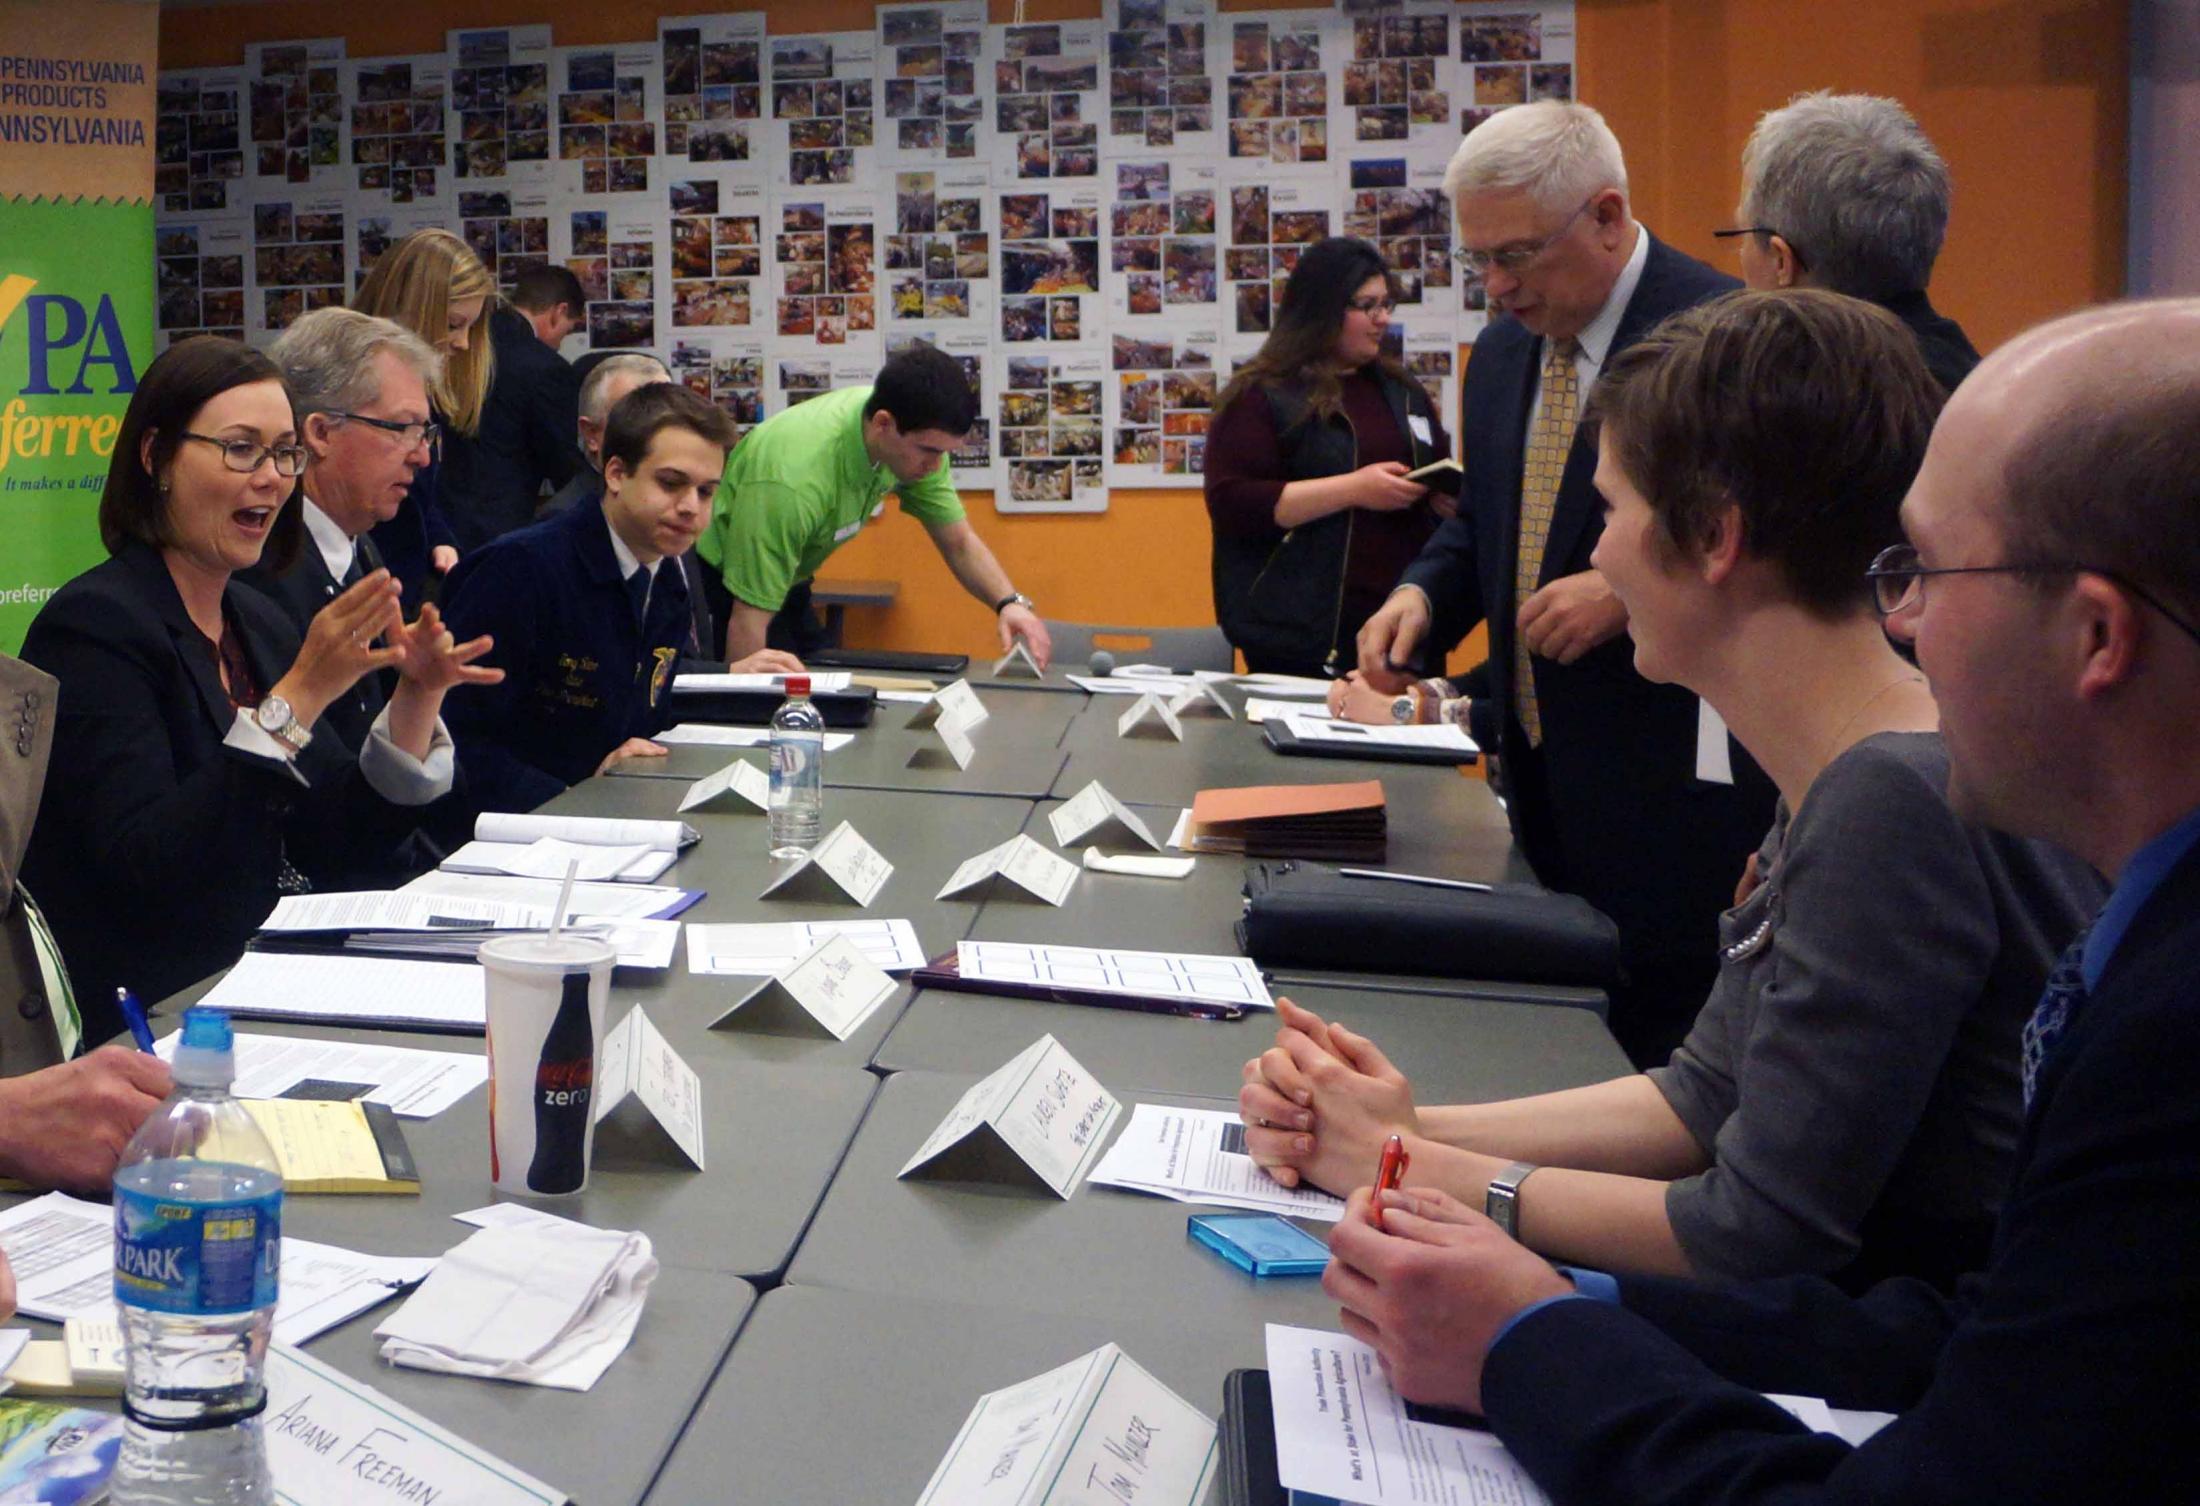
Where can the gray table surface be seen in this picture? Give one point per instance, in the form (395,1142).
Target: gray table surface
(835,1398)
(1103,1252)
(1015,752)
(1454,1049)
(774,1134)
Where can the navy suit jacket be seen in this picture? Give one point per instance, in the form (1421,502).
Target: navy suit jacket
(2065,1372)
(492,479)
(581,673)
(158,847)
(1627,824)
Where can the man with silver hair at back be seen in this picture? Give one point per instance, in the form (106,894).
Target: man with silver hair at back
(1627,793)
(1845,192)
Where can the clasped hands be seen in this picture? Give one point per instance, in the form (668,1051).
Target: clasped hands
(1432,1287)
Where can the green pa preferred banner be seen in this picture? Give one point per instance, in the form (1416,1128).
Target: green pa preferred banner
(76,328)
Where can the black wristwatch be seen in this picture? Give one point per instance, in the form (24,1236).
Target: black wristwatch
(1014,599)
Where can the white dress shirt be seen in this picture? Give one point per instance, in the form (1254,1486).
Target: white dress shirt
(1594,342)
(333,544)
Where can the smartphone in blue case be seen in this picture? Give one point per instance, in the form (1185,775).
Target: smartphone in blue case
(1260,1244)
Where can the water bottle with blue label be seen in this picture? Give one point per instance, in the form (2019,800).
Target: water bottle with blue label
(798,772)
(198,1247)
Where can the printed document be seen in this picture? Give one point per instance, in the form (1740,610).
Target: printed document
(1198,1156)
(413,1083)
(766,949)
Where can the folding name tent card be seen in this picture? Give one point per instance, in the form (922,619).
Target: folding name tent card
(1149,716)
(1092,809)
(852,865)
(955,700)
(738,783)
(636,1063)
(1041,1117)
(955,743)
(1017,664)
(1020,861)
(1096,1429)
(834,988)
(1203,694)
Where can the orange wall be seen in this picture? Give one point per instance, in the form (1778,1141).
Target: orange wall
(2027,99)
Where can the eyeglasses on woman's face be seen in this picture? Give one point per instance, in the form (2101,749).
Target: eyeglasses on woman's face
(247,455)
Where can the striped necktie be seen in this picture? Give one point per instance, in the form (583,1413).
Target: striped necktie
(54,974)
(2059,1004)
(1550,440)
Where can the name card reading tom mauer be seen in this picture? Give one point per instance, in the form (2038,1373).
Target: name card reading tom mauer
(637,1062)
(1149,716)
(952,702)
(1041,1115)
(1098,1431)
(836,985)
(1091,809)
(855,867)
(335,1441)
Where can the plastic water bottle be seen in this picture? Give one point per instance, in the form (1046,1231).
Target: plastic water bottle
(798,772)
(198,1245)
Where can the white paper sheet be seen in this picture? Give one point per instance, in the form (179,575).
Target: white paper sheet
(1119,970)
(592,831)
(393,993)
(392,910)
(638,901)
(1198,1156)
(412,1083)
(696,684)
(1321,729)
(708,735)
(764,949)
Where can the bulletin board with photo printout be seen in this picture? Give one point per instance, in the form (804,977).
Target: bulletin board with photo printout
(1095,217)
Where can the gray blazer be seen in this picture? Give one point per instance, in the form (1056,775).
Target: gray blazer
(27,1040)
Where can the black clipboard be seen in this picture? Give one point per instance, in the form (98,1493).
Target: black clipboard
(1287,742)
(945,972)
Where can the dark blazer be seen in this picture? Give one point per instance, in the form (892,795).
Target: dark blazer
(408,539)
(301,591)
(1625,822)
(158,847)
(2065,1372)
(581,672)
(493,478)
(1948,351)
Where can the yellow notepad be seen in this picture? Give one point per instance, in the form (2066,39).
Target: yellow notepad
(325,1146)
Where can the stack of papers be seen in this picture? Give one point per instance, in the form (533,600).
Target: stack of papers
(1198,1156)
(412,1083)
(1330,821)
(545,846)
(703,684)
(767,949)
(1308,727)
(433,926)
(63,1251)
(531,1298)
(601,901)
(387,993)
(709,735)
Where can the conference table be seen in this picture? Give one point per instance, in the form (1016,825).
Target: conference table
(821,1325)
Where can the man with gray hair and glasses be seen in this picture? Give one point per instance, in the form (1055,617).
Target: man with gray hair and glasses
(1627,793)
(360,385)
(1845,192)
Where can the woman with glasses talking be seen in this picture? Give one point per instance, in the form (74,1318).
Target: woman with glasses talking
(1306,469)
(190,788)
(1848,1100)
(432,284)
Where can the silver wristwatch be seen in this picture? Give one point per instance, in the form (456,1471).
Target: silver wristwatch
(1405,709)
(1014,599)
(1502,1202)
(278,721)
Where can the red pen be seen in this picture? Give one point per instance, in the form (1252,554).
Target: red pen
(1388,1175)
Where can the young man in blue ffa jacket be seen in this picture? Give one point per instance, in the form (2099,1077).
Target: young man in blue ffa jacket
(588,622)
(2052,588)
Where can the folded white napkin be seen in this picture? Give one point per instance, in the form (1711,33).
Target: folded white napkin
(526,1304)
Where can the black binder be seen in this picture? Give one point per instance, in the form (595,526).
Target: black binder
(1343,745)
(1249,1447)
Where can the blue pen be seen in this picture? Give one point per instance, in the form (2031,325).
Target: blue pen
(133,1015)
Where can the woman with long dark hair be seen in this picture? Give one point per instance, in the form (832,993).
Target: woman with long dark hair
(1306,464)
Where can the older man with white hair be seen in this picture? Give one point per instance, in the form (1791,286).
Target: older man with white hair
(1627,793)
(1846,192)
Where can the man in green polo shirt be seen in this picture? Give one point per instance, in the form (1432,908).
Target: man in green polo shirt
(802,484)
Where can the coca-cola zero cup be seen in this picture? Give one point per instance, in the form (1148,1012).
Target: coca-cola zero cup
(545,997)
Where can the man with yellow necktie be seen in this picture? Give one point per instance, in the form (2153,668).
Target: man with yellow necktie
(1627,793)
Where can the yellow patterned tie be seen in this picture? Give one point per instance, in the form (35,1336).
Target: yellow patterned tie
(1549,442)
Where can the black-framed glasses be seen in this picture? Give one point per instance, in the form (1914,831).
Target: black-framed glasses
(1380,304)
(1516,259)
(1898,575)
(248,455)
(1793,249)
(410,435)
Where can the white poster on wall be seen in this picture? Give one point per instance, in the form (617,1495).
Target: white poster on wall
(1508,55)
(939,250)
(1161,399)
(500,105)
(1395,201)
(726,367)
(1163,251)
(400,118)
(298,261)
(1047,102)
(1283,75)
(606,108)
(1162,62)
(1050,264)
(1269,219)
(933,84)
(198,138)
(201,275)
(824,108)
(1047,431)
(509,229)
(295,114)
(824,259)
(713,88)
(717,253)
(1397,80)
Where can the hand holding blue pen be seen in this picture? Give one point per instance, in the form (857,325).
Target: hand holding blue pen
(133,1015)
